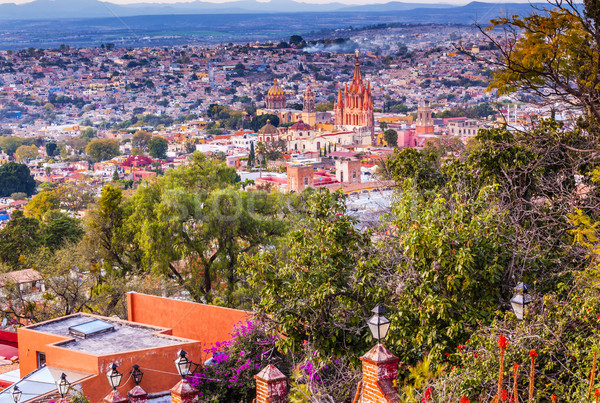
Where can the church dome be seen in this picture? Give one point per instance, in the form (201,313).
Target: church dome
(276,89)
(268,129)
(299,125)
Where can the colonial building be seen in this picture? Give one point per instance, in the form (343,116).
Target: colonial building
(354,108)
(309,114)
(276,97)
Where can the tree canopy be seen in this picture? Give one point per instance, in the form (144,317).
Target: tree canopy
(16,178)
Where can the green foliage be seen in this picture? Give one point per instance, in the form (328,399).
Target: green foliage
(453,251)
(564,336)
(102,149)
(195,214)
(157,147)
(18,238)
(51,149)
(15,178)
(9,144)
(317,285)
(258,122)
(391,137)
(328,106)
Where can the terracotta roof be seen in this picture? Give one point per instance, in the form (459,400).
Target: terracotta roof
(20,276)
(268,129)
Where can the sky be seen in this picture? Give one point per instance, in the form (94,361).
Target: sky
(303,1)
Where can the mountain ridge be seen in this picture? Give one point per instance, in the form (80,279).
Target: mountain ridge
(68,9)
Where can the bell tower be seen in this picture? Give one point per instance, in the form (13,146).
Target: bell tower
(424,123)
(309,114)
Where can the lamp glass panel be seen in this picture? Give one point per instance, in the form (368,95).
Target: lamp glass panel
(518,306)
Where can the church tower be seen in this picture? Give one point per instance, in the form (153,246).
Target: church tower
(354,108)
(309,114)
(424,121)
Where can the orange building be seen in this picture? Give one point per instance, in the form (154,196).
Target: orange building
(424,124)
(83,346)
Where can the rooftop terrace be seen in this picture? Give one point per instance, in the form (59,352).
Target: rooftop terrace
(124,336)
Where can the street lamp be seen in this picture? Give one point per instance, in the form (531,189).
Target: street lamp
(183,364)
(62,385)
(136,374)
(520,300)
(16,393)
(378,324)
(114,376)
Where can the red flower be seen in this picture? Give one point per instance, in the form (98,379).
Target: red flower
(464,399)
(516,367)
(554,398)
(532,353)
(597,394)
(504,395)
(427,395)
(502,343)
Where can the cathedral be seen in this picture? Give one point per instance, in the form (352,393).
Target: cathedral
(354,107)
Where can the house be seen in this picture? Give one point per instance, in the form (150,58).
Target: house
(84,346)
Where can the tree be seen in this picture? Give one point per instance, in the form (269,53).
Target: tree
(41,204)
(296,40)
(391,137)
(10,144)
(102,149)
(115,177)
(15,178)
(51,149)
(106,228)
(157,147)
(88,134)
(317,285)
(25,153)
(328,106)
(258,122)
(140,140)
(193,223)
(251,155)
(453,249)
(20,237)
(552,53)
(60,231)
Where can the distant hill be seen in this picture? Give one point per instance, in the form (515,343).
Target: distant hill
(68,9)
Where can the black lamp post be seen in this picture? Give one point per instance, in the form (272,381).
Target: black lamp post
(137,374)
(378,324)
(520,300)
(183,364)
(16,393)
(114,376)
(63,385)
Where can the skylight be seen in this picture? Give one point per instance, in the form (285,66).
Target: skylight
(90,328)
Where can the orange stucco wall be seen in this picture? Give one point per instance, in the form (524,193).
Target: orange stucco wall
(157,364)
(205,323)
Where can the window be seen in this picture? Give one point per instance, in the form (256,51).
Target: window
(305,181)
(41,359)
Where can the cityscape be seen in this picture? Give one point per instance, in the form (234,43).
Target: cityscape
(294,202)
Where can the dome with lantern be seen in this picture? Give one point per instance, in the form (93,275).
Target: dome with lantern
(276,96)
